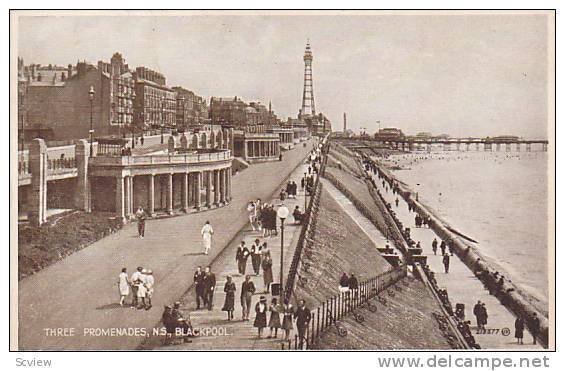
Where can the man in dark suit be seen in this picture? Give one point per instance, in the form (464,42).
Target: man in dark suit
(303,317)
(241,256)
(199,285)
(209,285)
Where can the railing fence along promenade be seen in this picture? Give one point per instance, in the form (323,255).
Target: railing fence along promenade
(309,225)
(333,310)
(509,294)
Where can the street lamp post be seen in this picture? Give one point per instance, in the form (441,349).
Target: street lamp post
(282,213)
(91,131)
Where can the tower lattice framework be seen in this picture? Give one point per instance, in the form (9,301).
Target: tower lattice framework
(308,105)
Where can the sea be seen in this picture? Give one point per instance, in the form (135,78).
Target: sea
(499,199)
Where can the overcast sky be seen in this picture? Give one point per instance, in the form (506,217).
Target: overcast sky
(463,75)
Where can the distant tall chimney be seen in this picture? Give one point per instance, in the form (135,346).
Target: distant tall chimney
(344,122)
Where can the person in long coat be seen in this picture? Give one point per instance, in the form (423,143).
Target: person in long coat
(209,287)
(275,320)
(519,330)
(229,303)
(267,265)
(123,286)
(261,316)
(207,232)
(288,313)
(241,256)
(247,291)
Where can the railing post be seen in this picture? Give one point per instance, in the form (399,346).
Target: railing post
(318,322)
(324,315)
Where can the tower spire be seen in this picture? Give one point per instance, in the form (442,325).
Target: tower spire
(308,105)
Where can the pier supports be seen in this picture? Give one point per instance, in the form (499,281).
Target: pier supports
(544,147)
(528,147)
(488,146)
(508,147)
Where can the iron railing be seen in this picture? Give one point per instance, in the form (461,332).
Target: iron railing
(308,227)
(332,311)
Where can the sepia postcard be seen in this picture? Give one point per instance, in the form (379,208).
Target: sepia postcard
(282,180)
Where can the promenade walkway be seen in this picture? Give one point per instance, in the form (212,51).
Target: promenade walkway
(461,284)
(78,295)
(365,224)
(236,334)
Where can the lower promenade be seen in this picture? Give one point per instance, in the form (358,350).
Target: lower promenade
(79,294)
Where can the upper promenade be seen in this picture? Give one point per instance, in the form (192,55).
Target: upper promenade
(81,292)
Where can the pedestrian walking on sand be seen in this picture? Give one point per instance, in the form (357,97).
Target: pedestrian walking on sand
(140,216)
(247,291)
(123,286)
(519,330)
(260,316)
(267,265)
(275,320)
(446,262)
(207,232)
(241,257)
(288,313)
(442,246)
(229,302)
(477,311)
(434,246)
(534,327)
(396,202)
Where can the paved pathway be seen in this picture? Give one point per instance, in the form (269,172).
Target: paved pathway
(461,284)
(365,224)
(80,293)
(236,334)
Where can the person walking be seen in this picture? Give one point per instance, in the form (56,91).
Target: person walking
(209,286)
(442,246)
(260,316)
(303,317)
(477,310)
(229,302)
(446,262)
(135,279)
(534,327)
(199,286)
(519,330)
(140,216)
(434,246)
(247,291)
(207,232)
(252,214)
(275,319)
(484,315)
(396,202)
(267,265)
(241,258)
(256,256)
(141,291)
(353,285)
(123,286)
(288,313)
(150,286)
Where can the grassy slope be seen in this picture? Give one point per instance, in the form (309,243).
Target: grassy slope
(405,322)
(39,247)
(340,246)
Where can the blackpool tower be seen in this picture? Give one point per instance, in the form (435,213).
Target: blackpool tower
(308,106)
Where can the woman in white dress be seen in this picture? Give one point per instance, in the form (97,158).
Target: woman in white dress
(207,232)
(123,286)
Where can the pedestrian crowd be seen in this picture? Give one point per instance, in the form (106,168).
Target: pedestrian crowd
(141,285)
